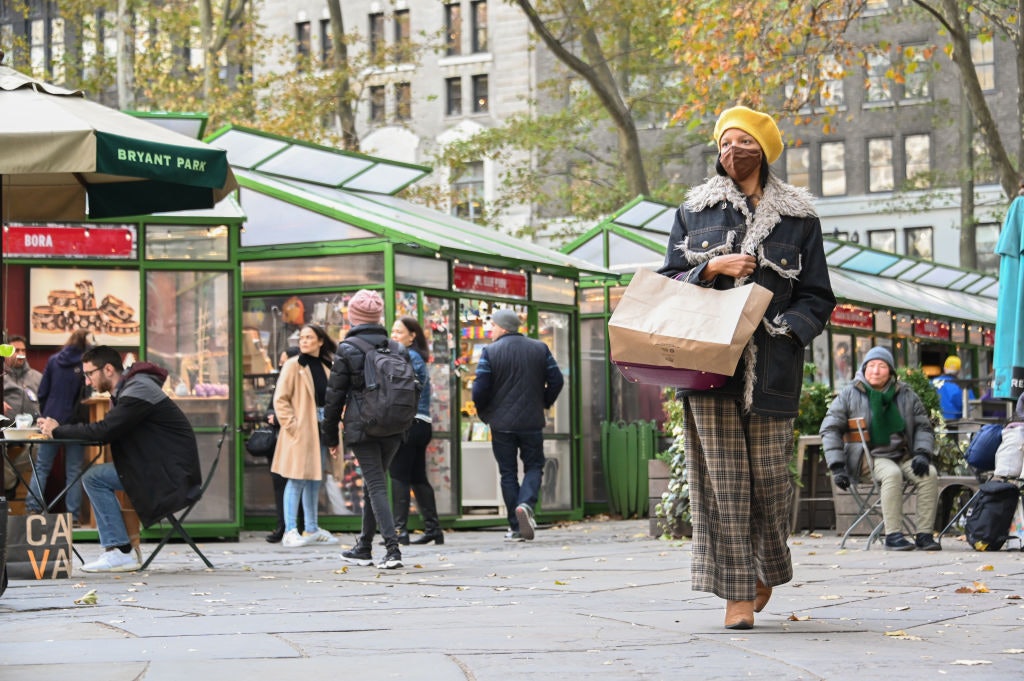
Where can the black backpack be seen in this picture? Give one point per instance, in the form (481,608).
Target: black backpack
(988,519)
(388,400)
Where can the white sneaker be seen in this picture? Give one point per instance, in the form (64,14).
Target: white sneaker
(527,525)
(292,539)
(321,537)
(114,561)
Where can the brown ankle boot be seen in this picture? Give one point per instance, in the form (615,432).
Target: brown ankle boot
(763,594)
(739,614)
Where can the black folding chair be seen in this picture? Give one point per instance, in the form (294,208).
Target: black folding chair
(176,521)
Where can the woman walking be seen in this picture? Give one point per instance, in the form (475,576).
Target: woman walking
(299,455)
(746,225)
(409,467)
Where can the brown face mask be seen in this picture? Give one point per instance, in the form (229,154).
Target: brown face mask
(740,162)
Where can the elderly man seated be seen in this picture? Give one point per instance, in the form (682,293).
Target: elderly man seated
(900,439)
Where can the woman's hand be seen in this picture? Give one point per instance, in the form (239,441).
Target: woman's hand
(333,451)
(734,265)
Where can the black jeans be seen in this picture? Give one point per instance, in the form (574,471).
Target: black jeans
(374,457)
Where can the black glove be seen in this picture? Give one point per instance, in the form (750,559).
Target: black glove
(920,463)
(840,476)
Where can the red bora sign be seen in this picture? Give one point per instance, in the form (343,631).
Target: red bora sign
(926,328)
(51,240)
(989,337)
(855,317)
(476,280)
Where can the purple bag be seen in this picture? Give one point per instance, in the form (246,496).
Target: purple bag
(689,379)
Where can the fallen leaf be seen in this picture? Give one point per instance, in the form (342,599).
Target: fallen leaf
(558,583)
(978,588)
(830,597)
(970,663)
(1013,651)
(901,608)
(89,598)
(798,618)
(902,635)
(986,568)
(130,599)
(1012,597)
(815,535)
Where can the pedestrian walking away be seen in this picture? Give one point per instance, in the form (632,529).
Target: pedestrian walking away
(745,225)
(516,380)
(408,469)
(374,454)
(156,457)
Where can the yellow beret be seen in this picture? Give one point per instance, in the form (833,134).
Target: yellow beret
(756,124)
(952,363)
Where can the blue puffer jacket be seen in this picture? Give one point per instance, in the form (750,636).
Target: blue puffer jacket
(516,380)
(784,235)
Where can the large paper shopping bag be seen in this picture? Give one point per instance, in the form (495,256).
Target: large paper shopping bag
(673,333)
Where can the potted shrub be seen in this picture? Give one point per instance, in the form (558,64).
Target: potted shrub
(672,506)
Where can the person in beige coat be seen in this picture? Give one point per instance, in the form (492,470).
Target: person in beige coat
(299,455)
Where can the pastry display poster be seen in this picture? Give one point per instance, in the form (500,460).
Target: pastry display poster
(104,301)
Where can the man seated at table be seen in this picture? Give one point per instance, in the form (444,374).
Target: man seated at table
(156,458)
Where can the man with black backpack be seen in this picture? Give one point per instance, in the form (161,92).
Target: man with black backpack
(373,383)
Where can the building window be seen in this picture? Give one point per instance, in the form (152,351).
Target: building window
(403,101)
(882,240)
(919,242)
(302,43)
(984,57)
(37,45)
(984,171)
(326,43)
(453,28)
(56,49)
(880,165)
(879,87)
(917,154)
(798,167)
(376,35)
(377,111)
(876,6)
(479,19)
(915,73)
(986,236)
(453,96)
(832,74)
(468,192)
(403,36)
(833,168)
(480,94)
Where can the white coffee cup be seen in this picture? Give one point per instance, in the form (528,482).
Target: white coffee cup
(24,421)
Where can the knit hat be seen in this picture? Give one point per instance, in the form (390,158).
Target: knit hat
(756,124)
(365,307)
(881,353)
(506,319)
(952,364)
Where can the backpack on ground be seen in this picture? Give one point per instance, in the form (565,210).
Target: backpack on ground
(981,452)
(388,401)
(987,521)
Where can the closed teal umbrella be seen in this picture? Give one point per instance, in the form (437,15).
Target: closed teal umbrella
(1008,359)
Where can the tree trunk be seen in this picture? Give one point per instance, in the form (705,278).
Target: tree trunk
(125,94)
(344,108)
(968,225)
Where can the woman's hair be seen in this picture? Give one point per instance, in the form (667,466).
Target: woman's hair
(79,338)
(765,169)
(419,341)
(329,347)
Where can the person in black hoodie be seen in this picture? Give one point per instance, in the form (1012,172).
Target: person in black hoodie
(60,397)
(156,457)
(373,453)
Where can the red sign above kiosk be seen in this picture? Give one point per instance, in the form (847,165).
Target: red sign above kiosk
(927,328)
(469,279)
(83,242)
(851,316)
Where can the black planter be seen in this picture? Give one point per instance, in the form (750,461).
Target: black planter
(3,544)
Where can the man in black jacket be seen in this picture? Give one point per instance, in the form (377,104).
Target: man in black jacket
(516,380)
(156,458)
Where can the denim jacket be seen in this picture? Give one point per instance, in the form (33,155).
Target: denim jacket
(784,235)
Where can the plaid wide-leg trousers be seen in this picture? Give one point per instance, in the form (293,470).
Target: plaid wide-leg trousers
(740,496)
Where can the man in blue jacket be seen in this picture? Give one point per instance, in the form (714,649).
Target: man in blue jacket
(156,458)
(516,380)
(951,395)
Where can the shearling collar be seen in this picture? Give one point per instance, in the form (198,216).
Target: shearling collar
(779,199)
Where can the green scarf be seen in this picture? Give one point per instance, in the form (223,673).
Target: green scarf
(885,414)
